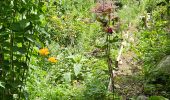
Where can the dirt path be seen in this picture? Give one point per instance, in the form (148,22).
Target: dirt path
(127,80)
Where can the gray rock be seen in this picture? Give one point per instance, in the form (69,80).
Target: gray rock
(164,65)
(142,97)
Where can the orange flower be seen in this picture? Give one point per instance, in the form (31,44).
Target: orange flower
(44,51)
(52,59)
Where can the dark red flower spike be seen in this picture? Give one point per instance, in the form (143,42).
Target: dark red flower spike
(109,30)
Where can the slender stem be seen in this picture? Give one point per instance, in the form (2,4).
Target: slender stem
(11,52)
(109,60)
(2,71)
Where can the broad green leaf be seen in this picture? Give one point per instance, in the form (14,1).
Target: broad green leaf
(2,28)
(115,39)
(35,40)
(19,39)
(77,58)
(24,23)
(22,50)
(77,68)
(158,98)
(1,84)
(33,17)
(22,10)
(67,77)
(101,47)
(71,56)
(16,27)
(21,25)
(6,44)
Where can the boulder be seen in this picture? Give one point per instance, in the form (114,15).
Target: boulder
(164,65)
(142,97)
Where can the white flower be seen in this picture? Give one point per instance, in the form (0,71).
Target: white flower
(131,39)
(124,43)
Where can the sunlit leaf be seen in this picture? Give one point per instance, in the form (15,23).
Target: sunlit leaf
(77,68)
(2,84)
(157,98)
(67,77)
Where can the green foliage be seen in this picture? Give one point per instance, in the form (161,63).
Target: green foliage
(157,98)
(70,24)
(95,90)
(21,24)
(152,48)
(76,42)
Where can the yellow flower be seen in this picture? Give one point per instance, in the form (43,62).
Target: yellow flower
(52,59)
(54,17)
(75,81)
(44,51)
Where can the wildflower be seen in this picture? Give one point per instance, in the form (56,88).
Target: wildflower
(52,59)
(131,39)
(125,35)
(44,51)
(110,30)
(124,43)
(75,81)
(103,7)
(54,17)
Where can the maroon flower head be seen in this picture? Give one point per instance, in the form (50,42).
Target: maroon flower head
(109,30)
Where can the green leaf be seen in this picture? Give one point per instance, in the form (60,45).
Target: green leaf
(77,68)
(115,39)
(19,39)
(21,25)
(34,39)
(6,44)
(24,23)
(2,28)
(22,10)
(71,57)
(101,47)
(1,84)
(67,77)
(158,98)
(22,50)
(33,17)
(16,27)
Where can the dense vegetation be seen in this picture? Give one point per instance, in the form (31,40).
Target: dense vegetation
(70,49)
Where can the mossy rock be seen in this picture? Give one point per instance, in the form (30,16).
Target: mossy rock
(164,65)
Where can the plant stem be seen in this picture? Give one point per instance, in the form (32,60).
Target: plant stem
(109,62)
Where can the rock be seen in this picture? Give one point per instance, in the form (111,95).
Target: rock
(164,65)
(160,75)
(142,97)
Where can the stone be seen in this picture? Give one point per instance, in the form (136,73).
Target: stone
(142,97)
(164,65)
